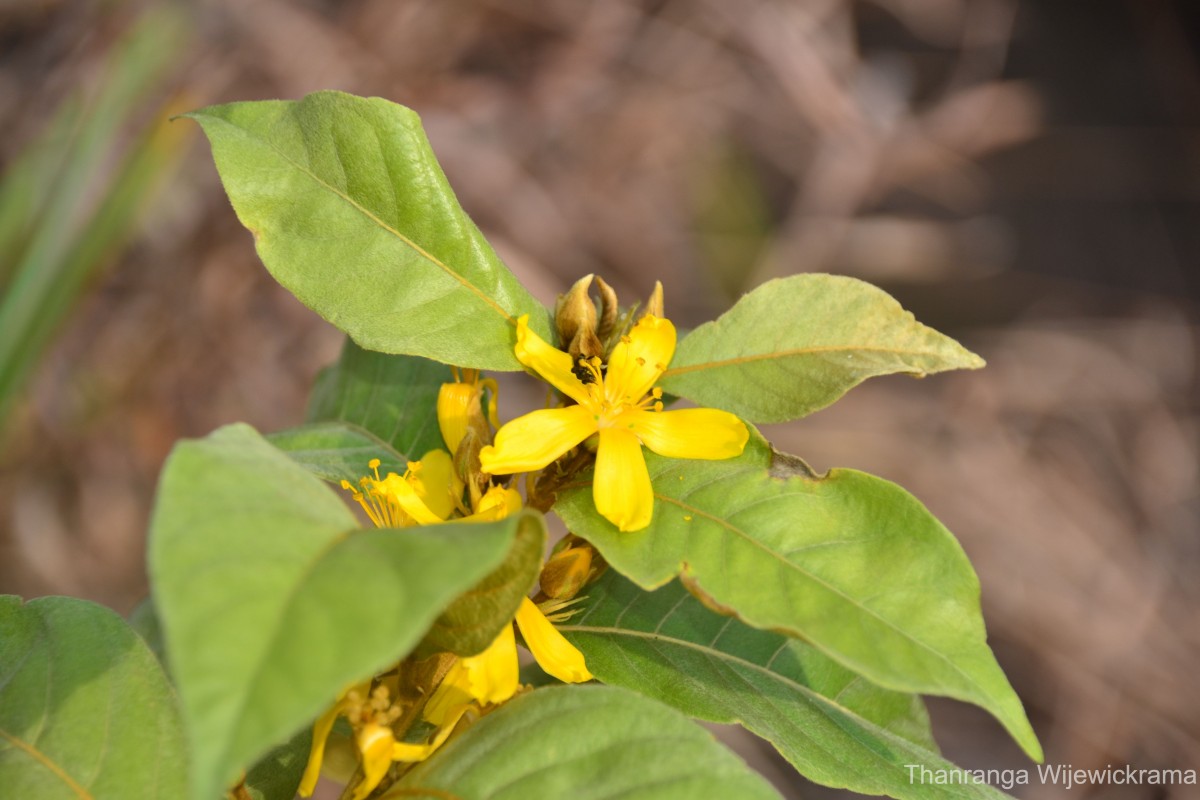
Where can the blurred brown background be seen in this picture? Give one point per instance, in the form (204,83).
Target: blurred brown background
(1022,175)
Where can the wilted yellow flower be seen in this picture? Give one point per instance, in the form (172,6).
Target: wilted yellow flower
(623,407)
(461,402)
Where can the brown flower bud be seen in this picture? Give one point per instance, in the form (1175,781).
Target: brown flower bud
(609,309)
(565,573)
(655,304)
(575,318)
(573,564)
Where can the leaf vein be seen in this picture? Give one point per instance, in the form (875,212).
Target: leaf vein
(421,251)
(793,352)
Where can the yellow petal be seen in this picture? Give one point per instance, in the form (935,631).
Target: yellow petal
(494,673)
(689,432)
(316,754)
(490,677)
(451,696)
(552,364)
(403,751)
(621,487)
(455,404)
(553,652)
(531,442)
(411,753)
(375,744)
(436,483)
(639,360)
(401,492)
(497,503)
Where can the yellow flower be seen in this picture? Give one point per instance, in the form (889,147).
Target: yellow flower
(371,716)
(623,407)
(493,676)
(426,494)
(374,738)
(461,403)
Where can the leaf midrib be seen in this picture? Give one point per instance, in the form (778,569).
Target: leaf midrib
(813,697)
(421,251)
(796,351)
(817,580)
(47,762)
(827,586)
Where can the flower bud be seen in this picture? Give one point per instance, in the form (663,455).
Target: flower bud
(609,309)
(575,318)
(566,572)
(654,306)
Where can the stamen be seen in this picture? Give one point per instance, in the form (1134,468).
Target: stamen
(650,402)
(558,610)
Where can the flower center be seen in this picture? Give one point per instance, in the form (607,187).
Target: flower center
(378,495)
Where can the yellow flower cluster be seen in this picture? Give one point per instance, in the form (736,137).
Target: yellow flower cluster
(430,492)
(614,408)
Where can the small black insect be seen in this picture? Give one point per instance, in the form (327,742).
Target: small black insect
(586,371)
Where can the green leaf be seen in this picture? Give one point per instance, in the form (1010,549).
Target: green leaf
(337,451)
(272,600)
(145,623)
(794,345)
(85,709)
(850,562)
(393,397)
(474,619)
(832,725)
(351,213)
(585,743)
(277,774)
